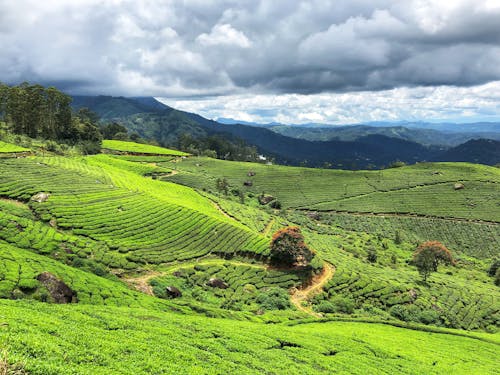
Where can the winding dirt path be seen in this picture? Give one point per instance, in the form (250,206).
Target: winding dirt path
(303,294)
(141,283)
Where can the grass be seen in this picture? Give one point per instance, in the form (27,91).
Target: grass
(423,189)
(51,339)
(9,148)
(139,148)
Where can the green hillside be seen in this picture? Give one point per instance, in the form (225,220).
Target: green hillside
(138,148)
(428,186)
(48,339)
(8,148)
(140,239)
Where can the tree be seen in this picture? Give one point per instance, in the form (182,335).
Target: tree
(222,185)
(289,249)
(428,256)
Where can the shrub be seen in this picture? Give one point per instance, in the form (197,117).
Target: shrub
(274,299)
(325,307)
(372,255)
(343,305)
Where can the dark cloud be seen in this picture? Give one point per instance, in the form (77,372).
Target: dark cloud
(201,47)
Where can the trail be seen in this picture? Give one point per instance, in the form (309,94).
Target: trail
(141,283)
(303,294)
(268,227)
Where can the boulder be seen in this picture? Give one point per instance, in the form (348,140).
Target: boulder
(173,292)
(40,197)
(458,186)
(265,199)
(58,290)
(217,283)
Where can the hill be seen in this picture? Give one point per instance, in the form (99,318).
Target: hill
(426,137)
(153,120)
(484,151)
(166,258)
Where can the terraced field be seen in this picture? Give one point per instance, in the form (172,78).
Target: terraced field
(476,239)
(139,148)
(109,224)
(248,287)
(425,189)
(456,297)
(140,220)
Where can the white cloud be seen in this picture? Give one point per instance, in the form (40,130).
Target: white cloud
(224,35)
(478,103)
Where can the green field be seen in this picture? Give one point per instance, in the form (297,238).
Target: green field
(50,339)
(9,148)
(120,230)
(425,189)
(139,148)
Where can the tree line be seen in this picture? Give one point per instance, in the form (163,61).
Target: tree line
(45,112)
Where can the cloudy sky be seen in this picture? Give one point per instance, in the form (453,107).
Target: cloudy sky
(338,61)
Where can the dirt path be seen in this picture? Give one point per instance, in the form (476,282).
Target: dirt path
(141,283)
(304,294)
(268,227)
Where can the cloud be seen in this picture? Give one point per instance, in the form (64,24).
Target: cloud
(442,103)
(224,35)
(197,48)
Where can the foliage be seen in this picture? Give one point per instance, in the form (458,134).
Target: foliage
(40,112)
(274,299)
(289,249)
(428,256)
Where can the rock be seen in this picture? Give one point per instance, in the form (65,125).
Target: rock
(314,215)
(40,197)
(217,283)
(248,183)
(173,292)
(59,291)
(265,199)
(458,186)
(413,294)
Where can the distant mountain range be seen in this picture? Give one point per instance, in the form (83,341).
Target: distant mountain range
(349,147)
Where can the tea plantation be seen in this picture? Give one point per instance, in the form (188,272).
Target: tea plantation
(166,257)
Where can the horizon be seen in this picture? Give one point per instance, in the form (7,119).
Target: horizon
(334,63)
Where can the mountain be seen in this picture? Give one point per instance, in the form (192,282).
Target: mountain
(358,147)
(353,132)
(474,127)
(483,151)
(110,107)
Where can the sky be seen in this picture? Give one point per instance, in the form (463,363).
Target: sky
(320,61)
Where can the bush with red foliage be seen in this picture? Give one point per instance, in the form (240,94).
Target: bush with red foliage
(428,256)
(289,249)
